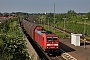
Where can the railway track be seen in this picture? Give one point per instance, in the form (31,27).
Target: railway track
(42,55)
(69,33)
(66,55)
(56,58)
(63,56)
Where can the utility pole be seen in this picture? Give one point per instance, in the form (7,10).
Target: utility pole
(48,23)
(64,23)
(54,16)
(45,18)
(85,31)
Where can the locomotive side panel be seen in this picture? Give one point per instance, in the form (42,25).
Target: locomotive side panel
(39,39)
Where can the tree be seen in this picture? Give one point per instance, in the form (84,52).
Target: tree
(6,14)
(1,14)
(71,13)
(13,46)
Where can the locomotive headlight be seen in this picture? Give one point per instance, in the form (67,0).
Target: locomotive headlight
(48,44)
(55,44)
(52,44)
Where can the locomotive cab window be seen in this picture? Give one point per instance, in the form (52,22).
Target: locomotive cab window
(49,38)
(52,38)
(55,38)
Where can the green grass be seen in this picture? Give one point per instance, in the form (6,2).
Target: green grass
(75,27)
(60,34)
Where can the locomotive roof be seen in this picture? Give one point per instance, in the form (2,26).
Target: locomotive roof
(41,32)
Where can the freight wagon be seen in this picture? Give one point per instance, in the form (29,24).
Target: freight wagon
(47,40)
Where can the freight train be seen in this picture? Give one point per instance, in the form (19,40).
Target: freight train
(47,40)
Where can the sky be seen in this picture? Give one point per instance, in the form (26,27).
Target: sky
(44,6)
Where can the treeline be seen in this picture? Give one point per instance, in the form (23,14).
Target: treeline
(12,44)
(70,15)
(6,14)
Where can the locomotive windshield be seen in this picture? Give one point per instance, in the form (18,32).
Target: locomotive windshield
(52,38)
(49,38)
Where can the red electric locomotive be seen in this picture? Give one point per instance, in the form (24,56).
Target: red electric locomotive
(47,40)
